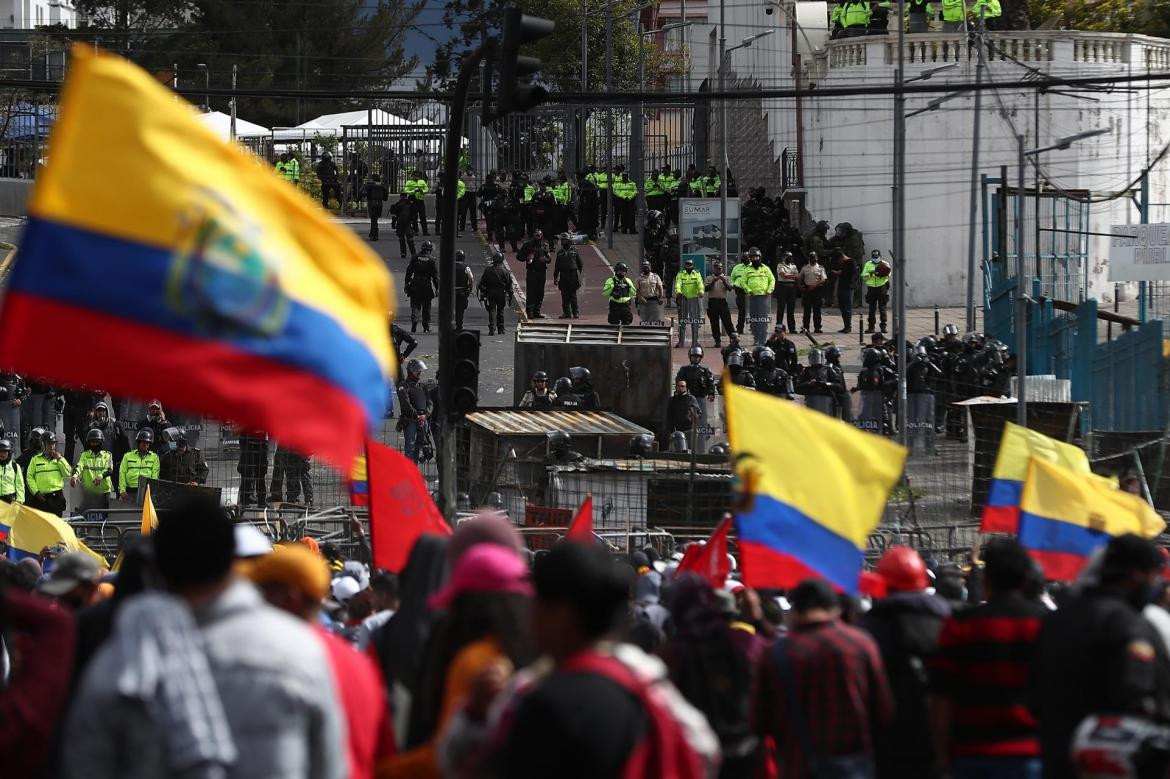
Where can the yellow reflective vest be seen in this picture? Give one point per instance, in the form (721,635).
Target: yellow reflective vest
(11,481)
(137,466)
(45,475)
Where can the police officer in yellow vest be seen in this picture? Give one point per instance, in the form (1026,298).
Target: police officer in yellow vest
(876,277)
(46,477)
(954,14)
(11,476)
(737,272)
(619,291)
(656,192)
(708,185)
(758,283)
(854,17)
(139,464)
(987,12)
(625,194)
(688,294)
(94,470)
(417,189)
(289,168)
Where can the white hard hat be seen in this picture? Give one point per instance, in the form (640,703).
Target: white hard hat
(345,588)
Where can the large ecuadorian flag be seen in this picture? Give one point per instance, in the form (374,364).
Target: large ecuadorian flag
(160,261)
(814,488)
(1066,514)
(1001,514)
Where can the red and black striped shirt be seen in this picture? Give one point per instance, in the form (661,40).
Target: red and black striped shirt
(840,687)
(982,667)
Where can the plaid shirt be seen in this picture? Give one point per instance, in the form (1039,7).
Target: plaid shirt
(841,687)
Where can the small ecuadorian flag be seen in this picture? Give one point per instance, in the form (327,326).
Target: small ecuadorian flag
(359,483)
(792,528)
(1066,514)
(1001,513)
(161,261)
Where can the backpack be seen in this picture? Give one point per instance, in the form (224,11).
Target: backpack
(671,748)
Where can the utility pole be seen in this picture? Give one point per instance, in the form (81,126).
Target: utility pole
(973,210)
(900,263)
(723,136)
(609,125)
(1021,296)
(235,72)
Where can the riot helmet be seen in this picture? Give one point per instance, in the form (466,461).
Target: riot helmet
(816,358)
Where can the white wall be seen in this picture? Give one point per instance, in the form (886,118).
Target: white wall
(27,14)
(848,141)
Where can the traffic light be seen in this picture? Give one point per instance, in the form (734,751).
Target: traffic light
(516,93)
(464,386)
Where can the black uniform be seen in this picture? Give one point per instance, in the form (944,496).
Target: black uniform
(544,211)
(252,467)
(330,184)
(400,338)
(183,465)
(906,630)
(786,357)
(495,290)
(291,470)
(700,381)
(489,193)
(467,210)
(567,276)
(375,194)
(1096,654)
(422,282)
(536,258)
(683,411)
(463,282)
(590,203)
(401,213)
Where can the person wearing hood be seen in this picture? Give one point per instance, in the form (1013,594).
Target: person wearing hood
(1096,654)
(906,626)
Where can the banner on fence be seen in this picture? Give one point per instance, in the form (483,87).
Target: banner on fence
(699,232)
(1140,253)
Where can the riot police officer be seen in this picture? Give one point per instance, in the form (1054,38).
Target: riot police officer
(700,381)
(464,280)
(583,388)
(922,375)
(495,290)
(739,373)
(815,383)
(786,356)
(619,291)
(536,256)
(564,397)
(421,284)
(539,396)
(769,378)
(840,388)
(568,274)
(873,384)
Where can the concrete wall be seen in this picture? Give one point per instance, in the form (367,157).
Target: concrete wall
(14,196)
(848,141)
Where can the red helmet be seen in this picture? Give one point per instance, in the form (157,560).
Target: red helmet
(902,569)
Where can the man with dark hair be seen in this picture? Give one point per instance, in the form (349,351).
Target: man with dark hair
(1097,655)
(254,698)
(579,720)
(979,677)
(822,693)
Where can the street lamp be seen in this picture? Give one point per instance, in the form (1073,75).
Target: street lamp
(206,84)
(1022,297)
(724,58)
(934,104)
(926,74)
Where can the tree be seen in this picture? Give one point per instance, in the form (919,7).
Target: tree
(1150,17)
(561,51)
(133,24)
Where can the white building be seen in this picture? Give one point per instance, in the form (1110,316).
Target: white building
(846,143)
(27,14)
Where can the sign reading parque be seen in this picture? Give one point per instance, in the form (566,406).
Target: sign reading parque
(1139,252)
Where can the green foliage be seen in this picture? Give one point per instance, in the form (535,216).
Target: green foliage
(471,20)
(1147,17)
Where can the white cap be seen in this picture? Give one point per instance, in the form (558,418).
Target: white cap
(345,588)
(358,572)
(250,542)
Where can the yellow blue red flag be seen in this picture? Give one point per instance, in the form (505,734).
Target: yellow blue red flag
(161,261)
(359,483)
(1065,514)
(1001,513)
(30,531)
(793,527)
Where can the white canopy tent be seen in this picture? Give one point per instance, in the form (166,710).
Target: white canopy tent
(331,124)
(220,124)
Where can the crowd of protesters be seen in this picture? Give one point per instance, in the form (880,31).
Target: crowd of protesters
(213,653)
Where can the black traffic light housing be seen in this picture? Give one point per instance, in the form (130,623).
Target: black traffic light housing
(464,385)
(516,91)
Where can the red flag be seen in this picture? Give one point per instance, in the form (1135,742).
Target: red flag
(709,560)
(581,528)
(401,509)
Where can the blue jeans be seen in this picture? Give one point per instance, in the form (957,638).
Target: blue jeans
(996,768)
(411,431)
